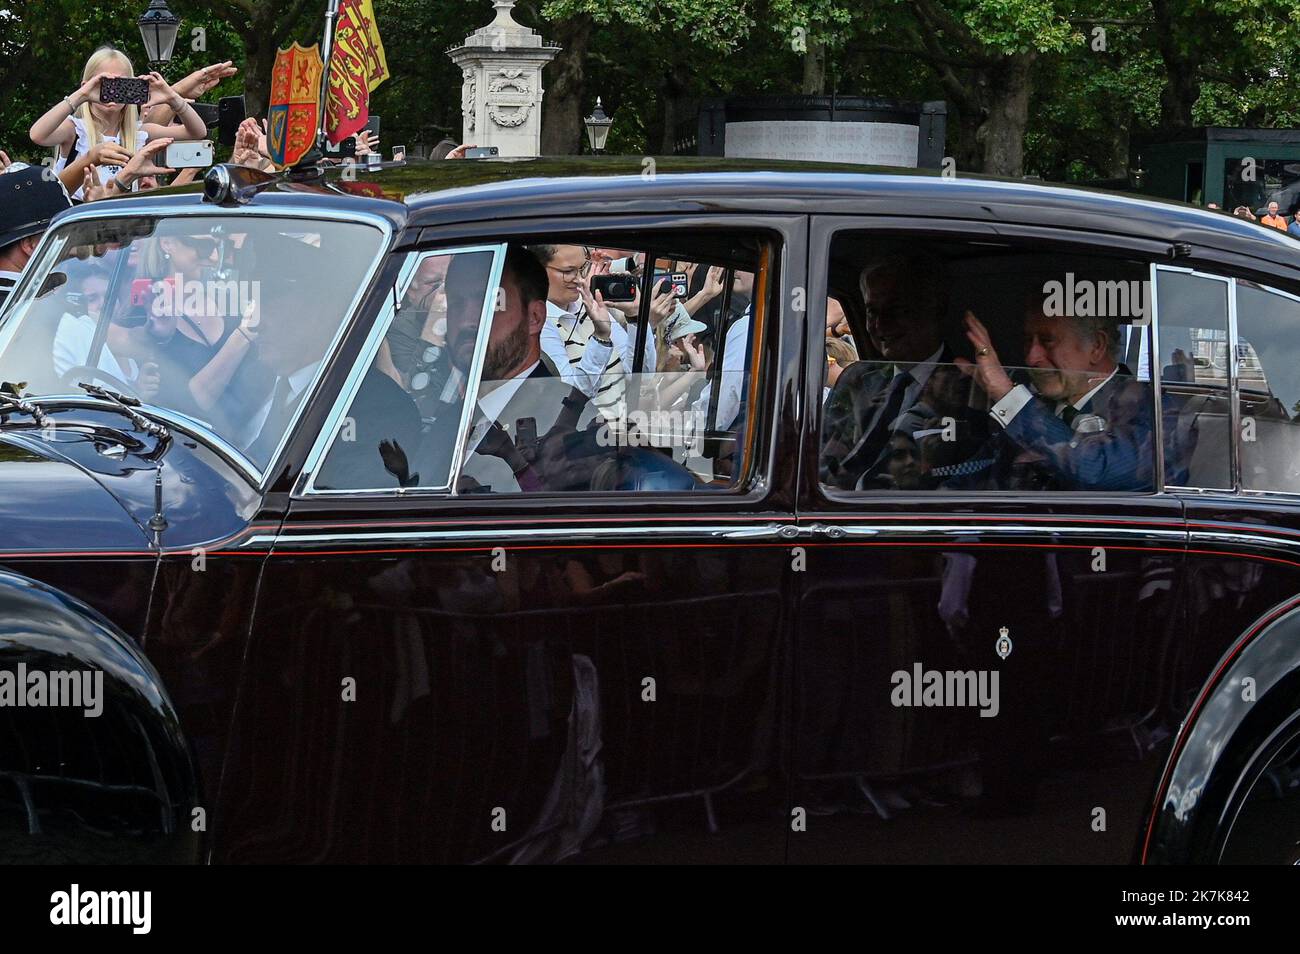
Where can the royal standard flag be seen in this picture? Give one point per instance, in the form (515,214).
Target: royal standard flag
(357,66)
(295,103)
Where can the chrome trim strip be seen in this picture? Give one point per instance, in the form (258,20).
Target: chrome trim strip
(1156,388)
(525,535)
(784,532)
(1234,389)
(475,375)
(306,484)
(1011,528)
(1246,540)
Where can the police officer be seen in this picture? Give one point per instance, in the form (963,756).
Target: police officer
(29,198)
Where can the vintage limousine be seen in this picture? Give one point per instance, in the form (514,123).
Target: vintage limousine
(875,517)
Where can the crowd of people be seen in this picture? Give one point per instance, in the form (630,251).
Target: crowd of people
(101,149)
(1271,218)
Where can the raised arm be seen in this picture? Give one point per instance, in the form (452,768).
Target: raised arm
(189,124)
(55,127)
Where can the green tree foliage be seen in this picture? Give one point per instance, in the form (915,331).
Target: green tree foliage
(1030,88)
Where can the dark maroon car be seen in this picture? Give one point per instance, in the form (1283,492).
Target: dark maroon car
(801,513)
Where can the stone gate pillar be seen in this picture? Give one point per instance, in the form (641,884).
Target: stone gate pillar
(501,94)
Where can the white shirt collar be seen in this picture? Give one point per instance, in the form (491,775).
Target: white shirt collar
(922,370)
(556,311)
(13,275)
(494,402)
(1082,402)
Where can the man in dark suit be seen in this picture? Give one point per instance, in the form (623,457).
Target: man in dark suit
(1085,424)
(529,430)
(905,298)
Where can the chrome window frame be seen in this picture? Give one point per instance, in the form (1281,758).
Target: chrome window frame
(111,210)
(1234,410)
(1242,489)
(305,486)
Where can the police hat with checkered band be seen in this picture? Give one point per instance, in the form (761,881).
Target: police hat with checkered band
(29,198)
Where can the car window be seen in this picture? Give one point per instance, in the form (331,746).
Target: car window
(563,410)
(984,367)
(402,416)
(1268,359)
(603,368)
(1192,311)
(224,319)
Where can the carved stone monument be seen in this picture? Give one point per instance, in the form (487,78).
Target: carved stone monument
(501,93)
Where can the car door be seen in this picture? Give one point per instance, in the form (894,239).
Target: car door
(438,675)
(1228,347)
(982,630)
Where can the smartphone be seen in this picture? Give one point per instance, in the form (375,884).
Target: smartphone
(188,155)
(372,126)
(620,287)
(230,113)
(399,154)
(525,431)
(482,152)
(141,292)
(208,112)
(124,89)
(344,150)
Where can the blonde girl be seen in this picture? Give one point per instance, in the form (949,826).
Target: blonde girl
(79,125)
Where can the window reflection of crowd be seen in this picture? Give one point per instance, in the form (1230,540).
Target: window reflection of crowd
(558,367)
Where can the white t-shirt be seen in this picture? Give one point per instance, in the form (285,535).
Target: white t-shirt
(83,145)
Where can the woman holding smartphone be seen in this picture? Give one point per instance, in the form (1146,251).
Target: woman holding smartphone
(81,124)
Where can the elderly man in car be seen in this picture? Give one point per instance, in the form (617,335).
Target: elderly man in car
(905,299)
(1083,422)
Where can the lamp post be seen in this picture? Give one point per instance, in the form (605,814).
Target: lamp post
(598,124)
(158,29)
(1137,176)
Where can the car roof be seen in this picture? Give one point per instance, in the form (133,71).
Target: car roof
(425,193)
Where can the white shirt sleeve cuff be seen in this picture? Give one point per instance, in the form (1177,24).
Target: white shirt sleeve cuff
(1012,404)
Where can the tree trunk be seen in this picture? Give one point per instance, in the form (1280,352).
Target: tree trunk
(1179,96)
(259,59)
(814,68)
(678,106)
(1182,88)
(562,128)
(1001,136)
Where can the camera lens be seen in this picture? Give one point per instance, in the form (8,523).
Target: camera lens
(419,380)
(431,354)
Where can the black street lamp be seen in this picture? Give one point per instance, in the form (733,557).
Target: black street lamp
(598,128)
(1137,176)
(158,29)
